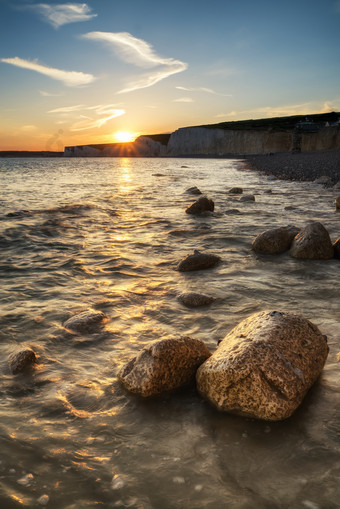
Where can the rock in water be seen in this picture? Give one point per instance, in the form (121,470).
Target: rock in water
(193,190)
(198,261)
(203,204)
(264,367)
(194,300)
(247,197)
(85,322)
(164,365)
(336,247)
(337,203)
(21,360)
(313,243)
(236,190)
(275,241)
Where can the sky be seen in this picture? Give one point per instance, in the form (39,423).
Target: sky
(79,73)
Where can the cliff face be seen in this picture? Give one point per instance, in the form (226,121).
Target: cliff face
(143,146)
(201,141)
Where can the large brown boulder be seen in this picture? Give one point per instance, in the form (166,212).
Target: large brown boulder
(164,365)
(313,243)
(198,261)
(274,241)
(264,367)
(203,204)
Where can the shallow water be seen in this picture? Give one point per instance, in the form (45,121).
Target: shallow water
(107,234)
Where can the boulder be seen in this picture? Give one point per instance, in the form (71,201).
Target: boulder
(85,322)
(198,261)
(324,179)
(203,204)
(247,197)
(264,367)
(194,300)
(21,360)
(275,241)
(312,243)
(164,365)
(337,203)
(236,190)
(193,190)
(337,185)
(336,247)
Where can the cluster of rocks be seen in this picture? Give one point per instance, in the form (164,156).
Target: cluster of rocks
(310,243)
(263,368)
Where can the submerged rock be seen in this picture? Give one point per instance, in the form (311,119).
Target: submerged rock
(236,190)
(312,243)
(324,179)
(164,365)
(194,300)
(198,261)
(247,197)
(275,241)
(21,360)
(337,203)
(336,247)
(87,321)
(264,367)
(193,190)
(203,204)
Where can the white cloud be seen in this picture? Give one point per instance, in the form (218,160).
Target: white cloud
(69,78)
(48,94)
(61,14)
(83,120)
(29,128)
(183,100)
(140,53)
(202,89)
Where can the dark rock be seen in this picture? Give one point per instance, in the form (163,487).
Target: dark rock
(194,300)
(86,322)
(264,367)
(164,365)
(337,203)
(198,261)
(21,360)
(275,241)
(193,190)
(313,243)
(232,212)
(247,197)
(203,204)
(236,190)
(336,247)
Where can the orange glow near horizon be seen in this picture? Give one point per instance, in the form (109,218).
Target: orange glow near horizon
(124,136)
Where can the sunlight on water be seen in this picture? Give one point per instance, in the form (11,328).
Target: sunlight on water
(106,235)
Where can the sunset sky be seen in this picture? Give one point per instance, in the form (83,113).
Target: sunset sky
(76,73)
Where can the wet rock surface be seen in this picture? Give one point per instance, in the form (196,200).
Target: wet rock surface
(164,365)
(264,367)
(198,261)
(276,240)
(193,190)
(201,205)
(85,322)
(21,360)
(236,190)
(336,247)
(312,243)
(194,300)
(247,197)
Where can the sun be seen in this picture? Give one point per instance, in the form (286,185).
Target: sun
(124,136)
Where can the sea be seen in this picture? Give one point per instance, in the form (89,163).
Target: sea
(107,234)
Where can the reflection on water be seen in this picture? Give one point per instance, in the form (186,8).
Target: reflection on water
(107,234)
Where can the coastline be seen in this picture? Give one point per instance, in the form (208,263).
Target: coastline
(304,166)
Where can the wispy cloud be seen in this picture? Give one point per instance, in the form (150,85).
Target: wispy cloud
(140,53)
(48,94)
(88,117)
(61,14)
(69,78)
(183,100)
(202,89)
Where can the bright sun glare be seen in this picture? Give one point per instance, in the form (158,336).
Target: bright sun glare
(124,136)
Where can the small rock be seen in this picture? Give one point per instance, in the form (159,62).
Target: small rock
(193,190)
(198,261)
(194,300)
(312,243)
(336,247)
(164,365)
(264,367)
(203,204)
(324,179)
(21,360)
(275,241)
(43,500)
(88,321)
(178,480)
(336,186)
(247,197)
(117,482)
(236,190)
(268,191)
(231,212)
(337,203)
(26,480)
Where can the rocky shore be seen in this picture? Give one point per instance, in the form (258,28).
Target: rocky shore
(302,166)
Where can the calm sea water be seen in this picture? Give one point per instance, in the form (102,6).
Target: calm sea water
(107,234)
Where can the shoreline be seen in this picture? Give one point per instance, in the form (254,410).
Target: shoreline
(304,166)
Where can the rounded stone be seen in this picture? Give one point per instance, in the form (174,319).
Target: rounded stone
(337,203)
(247,197)
(264,367)
(275,241)
(194,300)
(312,243)
(336,247)
(87,321)
(203,204)
(193,190)
(236,190)
(198,261)
(164,365)
(21,360)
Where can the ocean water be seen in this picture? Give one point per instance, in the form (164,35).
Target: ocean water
(107,234)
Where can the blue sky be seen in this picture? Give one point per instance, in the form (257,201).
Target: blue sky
(76,73)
